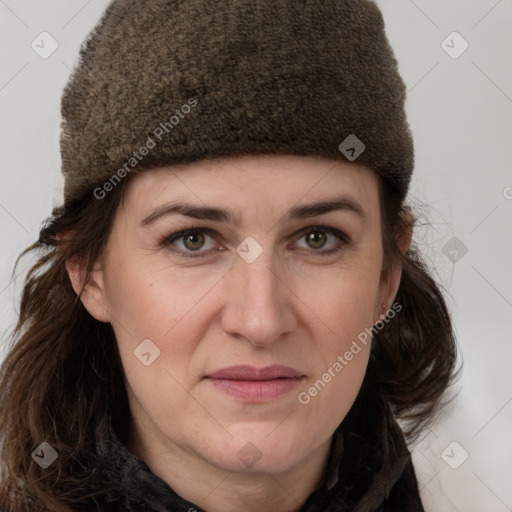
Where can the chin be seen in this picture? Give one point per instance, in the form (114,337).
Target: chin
(257,452)
(249,459)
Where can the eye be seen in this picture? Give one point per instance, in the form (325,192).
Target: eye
(190,241)
(317,237)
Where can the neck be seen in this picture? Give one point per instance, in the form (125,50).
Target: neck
(217,490)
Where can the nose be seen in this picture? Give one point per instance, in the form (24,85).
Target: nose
(258,303)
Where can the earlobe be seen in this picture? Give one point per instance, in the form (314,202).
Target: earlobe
(90,290)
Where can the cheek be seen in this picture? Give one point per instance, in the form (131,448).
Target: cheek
(169,306)
(342,307)
(151,300)
(342,347)
(344,300)
(165,307)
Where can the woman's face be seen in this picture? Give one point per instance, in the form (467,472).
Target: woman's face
(240,340)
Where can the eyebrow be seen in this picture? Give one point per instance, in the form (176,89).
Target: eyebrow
(339,203)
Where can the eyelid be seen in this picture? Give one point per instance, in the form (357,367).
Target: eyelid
(343,239)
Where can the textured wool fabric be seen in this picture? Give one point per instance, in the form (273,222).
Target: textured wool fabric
(175,81)
(369,469)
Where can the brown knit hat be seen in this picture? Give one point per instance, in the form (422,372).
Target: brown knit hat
(174,81)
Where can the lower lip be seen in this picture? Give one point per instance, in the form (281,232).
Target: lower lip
(256,390)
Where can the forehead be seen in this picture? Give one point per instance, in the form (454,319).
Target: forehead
(272,182)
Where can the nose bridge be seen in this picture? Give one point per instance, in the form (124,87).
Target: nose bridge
(257,302)
(261,280)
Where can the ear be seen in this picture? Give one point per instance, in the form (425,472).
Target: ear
(390,280)
(91,291)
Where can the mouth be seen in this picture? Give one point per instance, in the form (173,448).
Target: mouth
(251,384)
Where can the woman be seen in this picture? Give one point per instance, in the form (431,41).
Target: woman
(227,312)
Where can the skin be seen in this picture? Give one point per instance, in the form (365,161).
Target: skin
(291,306)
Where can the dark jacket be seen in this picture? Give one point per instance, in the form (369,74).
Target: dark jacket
(369,469)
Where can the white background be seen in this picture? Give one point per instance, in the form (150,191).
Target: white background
(460,112)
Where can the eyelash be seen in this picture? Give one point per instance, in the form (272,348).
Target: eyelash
(344,240)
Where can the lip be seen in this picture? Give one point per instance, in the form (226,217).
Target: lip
(251,384)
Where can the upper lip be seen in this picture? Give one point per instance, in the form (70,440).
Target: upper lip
(247,372)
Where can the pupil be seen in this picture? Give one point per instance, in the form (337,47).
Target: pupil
(312,236)
(191,237)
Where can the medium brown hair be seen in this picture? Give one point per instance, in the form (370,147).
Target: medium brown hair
(63,375)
